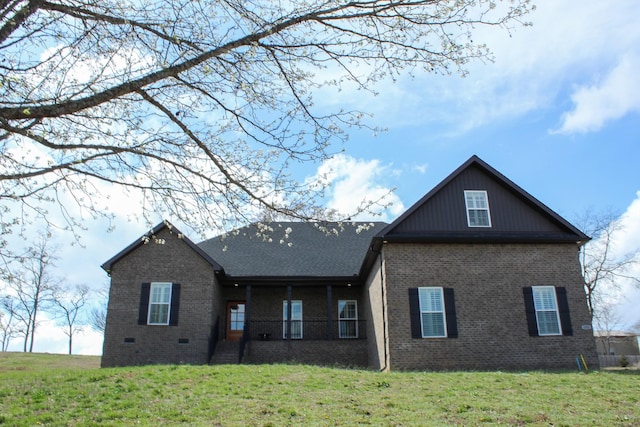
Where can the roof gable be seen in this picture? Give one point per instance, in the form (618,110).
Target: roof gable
(144,239)
(515,215)
(293,249)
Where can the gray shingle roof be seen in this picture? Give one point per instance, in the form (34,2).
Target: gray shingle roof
(294,249)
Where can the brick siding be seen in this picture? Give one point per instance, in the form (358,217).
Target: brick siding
(487,280)
(374,310)
(168,259)
(351,353)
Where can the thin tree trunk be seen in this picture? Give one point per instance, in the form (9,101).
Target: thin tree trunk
(33,332)
(70,338)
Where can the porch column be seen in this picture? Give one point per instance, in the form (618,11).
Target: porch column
(329,313)
(247,314)
(289,314)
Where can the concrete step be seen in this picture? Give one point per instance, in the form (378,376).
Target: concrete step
(226,353)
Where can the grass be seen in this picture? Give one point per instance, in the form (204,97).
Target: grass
(62,390)
(45,362)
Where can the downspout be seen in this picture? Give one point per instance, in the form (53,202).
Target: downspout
(385,339)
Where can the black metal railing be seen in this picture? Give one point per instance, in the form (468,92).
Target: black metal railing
(308,329)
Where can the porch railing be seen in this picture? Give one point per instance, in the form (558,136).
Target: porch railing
(308,329)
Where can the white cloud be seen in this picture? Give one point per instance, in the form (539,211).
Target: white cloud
(629,240)
(611,98)
(571,42)
(626,299)
(354,182)
(422,168)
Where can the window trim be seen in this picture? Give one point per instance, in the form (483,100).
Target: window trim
(556,309)
(345,320)
(167,304)
(443,312)
(474,208)
(285,305)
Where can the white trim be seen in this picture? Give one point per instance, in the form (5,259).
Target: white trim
(432,311)
(472,206)
(159,285)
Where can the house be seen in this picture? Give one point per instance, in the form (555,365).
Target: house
(477,274)
(617,343)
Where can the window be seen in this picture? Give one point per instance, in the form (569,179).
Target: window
(546,306)
(236,316)
(348,319)
(477,204)
(432,313)
(547,311)
(159,304)
(296,319)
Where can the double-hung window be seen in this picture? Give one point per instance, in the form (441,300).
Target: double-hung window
(432,313)
(477,204)
(159,303)
(348,318)
(296,319)
(546,306)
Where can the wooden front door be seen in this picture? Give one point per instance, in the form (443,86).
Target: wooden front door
(235,320)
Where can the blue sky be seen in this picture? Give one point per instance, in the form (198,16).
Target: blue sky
(557,112)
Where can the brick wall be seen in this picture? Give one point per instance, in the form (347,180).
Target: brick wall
(487,280)
(352,353)
(373,309)
(168,259)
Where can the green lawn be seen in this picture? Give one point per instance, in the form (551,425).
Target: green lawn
(71,390)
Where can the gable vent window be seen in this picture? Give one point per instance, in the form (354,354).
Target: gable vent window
(159,303)
(477,204)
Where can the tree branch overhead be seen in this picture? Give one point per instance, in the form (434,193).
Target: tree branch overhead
(208,103)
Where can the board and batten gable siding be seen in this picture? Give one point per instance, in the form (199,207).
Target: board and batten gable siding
(446,211)
(165,258)
(491,319)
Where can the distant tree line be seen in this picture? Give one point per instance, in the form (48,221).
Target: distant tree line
(29,289)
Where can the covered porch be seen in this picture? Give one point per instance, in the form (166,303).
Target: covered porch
(298,322)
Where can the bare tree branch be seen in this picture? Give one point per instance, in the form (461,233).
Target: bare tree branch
(202,108)
(603,270)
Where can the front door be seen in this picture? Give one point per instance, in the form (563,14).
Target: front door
(235,320)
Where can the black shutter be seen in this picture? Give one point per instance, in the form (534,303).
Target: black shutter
(530,310)
(414,313)
(450,311)
(563,309)
(143,311)
(175,304)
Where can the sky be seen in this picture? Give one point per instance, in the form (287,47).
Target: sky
(557,112)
